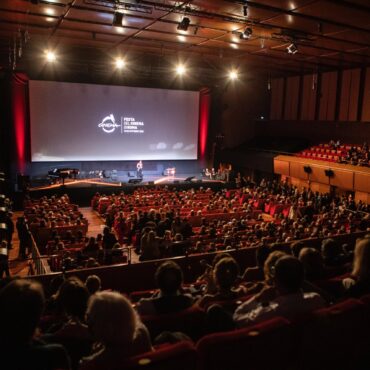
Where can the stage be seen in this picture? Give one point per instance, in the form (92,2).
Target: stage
(81,190)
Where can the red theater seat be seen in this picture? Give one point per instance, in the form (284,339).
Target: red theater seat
(190,321)
(334,337)
(178,356)
(268,345)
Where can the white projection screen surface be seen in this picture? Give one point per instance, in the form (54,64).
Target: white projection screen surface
(84,122)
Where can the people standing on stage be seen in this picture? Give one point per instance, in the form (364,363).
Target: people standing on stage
(139,169)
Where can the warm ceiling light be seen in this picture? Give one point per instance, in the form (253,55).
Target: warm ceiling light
(246,34)
(184,24)
(292,48)
(120,63)
(50,56)
(233,74)
(118,19)
(180,69)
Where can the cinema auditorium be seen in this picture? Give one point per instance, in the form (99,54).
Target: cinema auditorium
(185,184)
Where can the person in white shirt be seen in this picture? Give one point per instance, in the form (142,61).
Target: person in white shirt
(285,298)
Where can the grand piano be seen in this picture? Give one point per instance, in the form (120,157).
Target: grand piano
(63,173)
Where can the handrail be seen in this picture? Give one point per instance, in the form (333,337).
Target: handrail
(40,262)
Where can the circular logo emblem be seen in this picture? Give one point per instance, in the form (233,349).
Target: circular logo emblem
(108,124)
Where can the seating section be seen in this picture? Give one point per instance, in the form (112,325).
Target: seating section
(332,152)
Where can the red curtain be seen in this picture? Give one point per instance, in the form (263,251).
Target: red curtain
(204,113)
(19,113)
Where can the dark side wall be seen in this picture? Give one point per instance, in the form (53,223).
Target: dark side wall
(235,108)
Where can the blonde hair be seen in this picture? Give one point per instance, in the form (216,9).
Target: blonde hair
(361,261)
(112,319)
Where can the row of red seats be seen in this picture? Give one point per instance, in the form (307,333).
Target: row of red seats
(336,337)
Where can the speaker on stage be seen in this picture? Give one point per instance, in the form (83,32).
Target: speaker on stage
(188,179)
(135,181)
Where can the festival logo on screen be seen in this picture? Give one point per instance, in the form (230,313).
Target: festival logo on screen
(128,125)
(108,124)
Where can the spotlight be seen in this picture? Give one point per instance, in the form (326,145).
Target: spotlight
(184,24)
(246,34)
(233,75)
(292,48)
(50,56)
(180,69)
(120,63)
(118,19)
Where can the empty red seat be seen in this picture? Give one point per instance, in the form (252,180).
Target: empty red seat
(190,321)
(267,345)
(334,337)
(179,356)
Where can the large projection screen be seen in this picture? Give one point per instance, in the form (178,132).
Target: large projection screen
(84,122)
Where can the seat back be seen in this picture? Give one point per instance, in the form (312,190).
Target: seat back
(267,345)
(179,356)
(333,337)
(190,322)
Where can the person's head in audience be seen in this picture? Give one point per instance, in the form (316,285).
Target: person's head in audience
(269,266)
(289,275)
(21,306)
(296,248)
(72,298)
(111,319)
(226,273)
(169,278)
(331,252)
(361,261)
(312,262)
(93,284)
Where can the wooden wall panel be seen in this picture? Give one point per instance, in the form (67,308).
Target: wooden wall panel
(328,96)
(291,98)
(296,170)
(349,95)
(355,93)
(366,100)
(309,93)
(318,175)
(277,98)
(362,182)
(281,167)
(342,179)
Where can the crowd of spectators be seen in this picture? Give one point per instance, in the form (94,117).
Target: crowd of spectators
(356,155)
(168,223)
(77,325)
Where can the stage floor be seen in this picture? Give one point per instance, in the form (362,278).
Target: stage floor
(120,181)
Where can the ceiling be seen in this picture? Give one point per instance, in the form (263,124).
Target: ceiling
(329,34)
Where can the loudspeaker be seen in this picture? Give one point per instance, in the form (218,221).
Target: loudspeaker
(188,179)
(329,173)
(307,169)
(135,181)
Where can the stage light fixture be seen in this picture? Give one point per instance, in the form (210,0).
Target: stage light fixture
(118,19)
(292,48)
(120,63)
(180,69)
(246,34)
(233,75)
(50,56)
(184,24)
